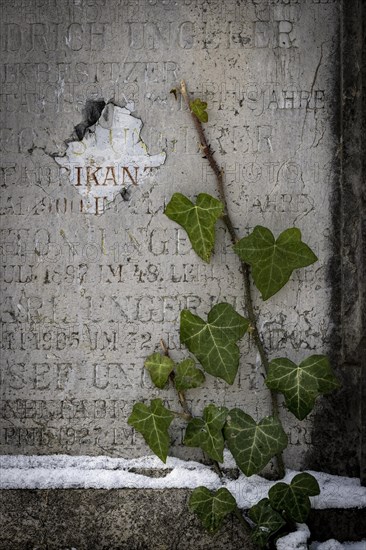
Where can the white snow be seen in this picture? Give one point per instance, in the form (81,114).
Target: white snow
(332,544)
(103,472)
(296,540)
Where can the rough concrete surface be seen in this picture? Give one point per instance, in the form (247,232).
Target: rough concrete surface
(119,519)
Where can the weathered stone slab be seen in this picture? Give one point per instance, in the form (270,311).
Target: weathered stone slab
(128,519)
(91,283)
(120,519)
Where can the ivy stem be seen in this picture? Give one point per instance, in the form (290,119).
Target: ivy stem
(187,415)
(181,394)
(215,464)
(206,149)
(182,415)
(219,173)
(244,523)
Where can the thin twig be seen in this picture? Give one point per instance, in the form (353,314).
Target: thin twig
(215,464)
(181,394)
(184,415)
(244,523)
(217,468)
(206,149)
(187,415)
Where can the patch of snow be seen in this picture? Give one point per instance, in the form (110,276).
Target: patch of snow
(229,460)
(335,491)
(103,472)
(332,544)
(94,462)
(296,540)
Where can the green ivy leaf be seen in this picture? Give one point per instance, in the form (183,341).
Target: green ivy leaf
(187,375)
(273,261)
(294,498)
(159,367)
(267,520)
(206,432)
(253,445)
(198,108)
(213,343)
(301,384)
(153,423)
(212,507)
(197,219)
(306,483)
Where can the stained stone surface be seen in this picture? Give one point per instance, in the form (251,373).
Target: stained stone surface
(110,520)
(128,519)
(93,274)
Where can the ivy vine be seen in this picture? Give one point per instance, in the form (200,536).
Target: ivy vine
(269,262)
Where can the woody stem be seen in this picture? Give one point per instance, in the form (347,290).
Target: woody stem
(219,174)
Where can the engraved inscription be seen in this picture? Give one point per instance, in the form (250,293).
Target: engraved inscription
(93,274)
(116,139)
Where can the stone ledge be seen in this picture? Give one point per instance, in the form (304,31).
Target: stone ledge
(134,519)
(118,519)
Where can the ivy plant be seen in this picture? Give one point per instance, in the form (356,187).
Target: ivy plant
(273,260)
(153,423)
(207,432)
(211,507)
(253,444)
(197,219)
(268,262)
(214,342)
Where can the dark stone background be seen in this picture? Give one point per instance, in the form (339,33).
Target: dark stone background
(339,435)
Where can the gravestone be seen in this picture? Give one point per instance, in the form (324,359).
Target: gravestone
(93,273)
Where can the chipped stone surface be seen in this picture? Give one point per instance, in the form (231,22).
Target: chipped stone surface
(109,159)
(87,297)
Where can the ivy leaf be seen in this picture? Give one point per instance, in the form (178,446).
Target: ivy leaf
(306,483)
(159,367)
(198,108)
(212,507)
(153,423)
(197,219)
(294,498)
(253,445)
(301,384)
(267,520)
(187,375)
(273,261)
(213,343)
(206,432)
